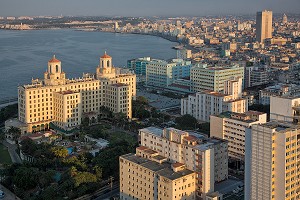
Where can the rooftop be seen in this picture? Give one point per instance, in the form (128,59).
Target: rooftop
(153,130)
(164,169)
(53,60)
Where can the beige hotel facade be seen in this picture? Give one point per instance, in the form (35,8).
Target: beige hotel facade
(64,102)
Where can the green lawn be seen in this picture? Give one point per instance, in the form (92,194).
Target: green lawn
(4,155)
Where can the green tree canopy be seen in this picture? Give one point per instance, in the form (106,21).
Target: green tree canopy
(186,122)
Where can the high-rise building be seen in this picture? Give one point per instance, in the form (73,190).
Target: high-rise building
(203,104)
(206,157)
(272,170)
(284,19)
(204,77)
(62,102)
(263,25)
(232,127)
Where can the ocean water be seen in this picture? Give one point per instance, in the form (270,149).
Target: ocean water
(24,54)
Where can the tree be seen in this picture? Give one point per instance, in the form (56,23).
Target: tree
(59,152)
(14,132)
(186,122)
(142,100)
(26,178)
(84,177)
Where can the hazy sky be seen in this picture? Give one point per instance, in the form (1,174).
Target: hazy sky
(144,7)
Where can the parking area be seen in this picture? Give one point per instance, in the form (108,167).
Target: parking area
(228,186)
(159,101)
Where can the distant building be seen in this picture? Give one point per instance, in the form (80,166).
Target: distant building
(263,25)
(284,19)
(203,104)
(161,73)
(139,65)
(204,77)
(232,127)
(278,90)
(184,53)
(259,76)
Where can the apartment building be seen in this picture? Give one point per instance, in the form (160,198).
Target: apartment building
(204,77)
(278,90)
(272,167)
(206,157)
(62,102)
(147,175)
(204,104)
(161,73)
(285,108)
(232,126)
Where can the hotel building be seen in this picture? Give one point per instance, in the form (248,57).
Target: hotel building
(206,157)
(63,102)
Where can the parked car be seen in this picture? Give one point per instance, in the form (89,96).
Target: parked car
(1,194)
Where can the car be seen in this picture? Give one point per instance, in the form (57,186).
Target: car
(1,194)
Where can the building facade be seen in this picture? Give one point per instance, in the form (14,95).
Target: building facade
(285,108)
(160,73)
(263,25)
(232,127)
(206,157)
(204,104)
(147,175)
(272,168)
(63,102)
(204,77)
(139,65)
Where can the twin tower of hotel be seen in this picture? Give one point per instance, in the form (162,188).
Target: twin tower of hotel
(62,103)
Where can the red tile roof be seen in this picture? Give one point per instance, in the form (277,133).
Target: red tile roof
(54,60)
(105,56)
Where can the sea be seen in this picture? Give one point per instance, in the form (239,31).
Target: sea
(24,54)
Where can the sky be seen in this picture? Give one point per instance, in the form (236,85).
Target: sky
(144,7)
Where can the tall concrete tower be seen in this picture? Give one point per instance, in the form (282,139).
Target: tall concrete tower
(263,25)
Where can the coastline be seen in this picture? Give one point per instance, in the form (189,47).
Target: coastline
(166,37)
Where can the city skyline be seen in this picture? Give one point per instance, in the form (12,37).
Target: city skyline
(137,8)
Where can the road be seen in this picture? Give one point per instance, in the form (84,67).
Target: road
(112,193)
(8,194)
(12,152)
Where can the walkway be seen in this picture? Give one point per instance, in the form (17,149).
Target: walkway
(15,158)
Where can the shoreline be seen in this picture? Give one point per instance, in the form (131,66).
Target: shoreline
(169,38)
